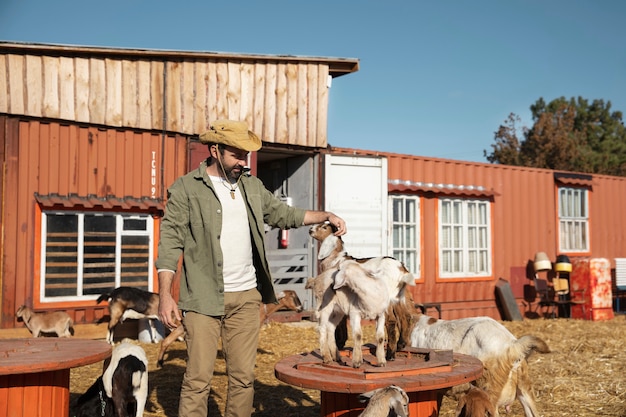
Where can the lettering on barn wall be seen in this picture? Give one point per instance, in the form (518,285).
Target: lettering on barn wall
(153,175)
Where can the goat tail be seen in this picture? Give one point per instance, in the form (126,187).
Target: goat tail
(136,378)
(528,344)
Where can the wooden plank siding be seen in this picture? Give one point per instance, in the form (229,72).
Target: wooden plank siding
(284,99)
(524,221)
(51,158)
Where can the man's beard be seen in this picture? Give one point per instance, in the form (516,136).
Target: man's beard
(233,173)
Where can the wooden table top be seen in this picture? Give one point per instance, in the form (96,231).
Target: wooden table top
(42,354)
(413,369)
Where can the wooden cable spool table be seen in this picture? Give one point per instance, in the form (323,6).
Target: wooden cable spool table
(35,373)
(424,374)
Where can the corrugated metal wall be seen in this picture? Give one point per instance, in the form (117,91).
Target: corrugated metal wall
(69,159)
(524,221)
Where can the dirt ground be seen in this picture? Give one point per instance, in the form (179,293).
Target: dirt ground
(584,375)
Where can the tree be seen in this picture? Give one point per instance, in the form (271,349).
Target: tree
(566,135)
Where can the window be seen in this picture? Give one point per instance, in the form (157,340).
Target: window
(573,220)
(405,231)
(464,238)
(87,254)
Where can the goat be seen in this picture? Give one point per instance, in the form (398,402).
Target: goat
(94,402)
(358,294)
(286,299)
(475,403)
(332,252)
(401,317)
(58,322)
(129,302)
(503,355)
(122,389)
(389,401)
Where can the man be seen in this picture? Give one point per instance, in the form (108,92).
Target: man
(215,219)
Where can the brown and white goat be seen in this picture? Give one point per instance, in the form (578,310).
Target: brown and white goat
(287,299)
(384,402)
(504,357)
(58,322)
(122,390)
(332,252)
(401,317)
(358,294)
(475,403)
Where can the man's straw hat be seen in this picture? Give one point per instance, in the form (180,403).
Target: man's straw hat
(232,133)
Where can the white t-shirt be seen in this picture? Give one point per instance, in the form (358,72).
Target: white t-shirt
(238,269)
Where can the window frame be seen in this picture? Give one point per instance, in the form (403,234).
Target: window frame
(406,223)
(464,226)
(120,233)
(586,230)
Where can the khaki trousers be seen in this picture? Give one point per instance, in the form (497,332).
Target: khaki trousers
(239,330)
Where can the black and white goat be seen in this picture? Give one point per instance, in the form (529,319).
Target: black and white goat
(504,357)
(390,401)
(130,303)
(122,390)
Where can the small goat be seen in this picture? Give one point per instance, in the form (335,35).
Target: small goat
(475,403)
(389,401)
(129,302)
(503,355)
(358,294)
(332,254)
(122,390)
(287,299)
(58,322)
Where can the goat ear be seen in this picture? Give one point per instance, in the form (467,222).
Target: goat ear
(367,395)
(340,279)
(327,247)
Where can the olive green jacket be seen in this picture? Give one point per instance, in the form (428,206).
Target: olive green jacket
(191,227)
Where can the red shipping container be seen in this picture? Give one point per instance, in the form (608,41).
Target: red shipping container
(594,277)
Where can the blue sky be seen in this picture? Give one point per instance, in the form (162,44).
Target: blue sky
(436,78)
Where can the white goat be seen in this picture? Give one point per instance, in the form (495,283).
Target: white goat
(332,253)
(58,322)
(383,402)
(358,294)
(504,357)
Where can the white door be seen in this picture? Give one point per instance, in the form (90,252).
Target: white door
(355,188)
